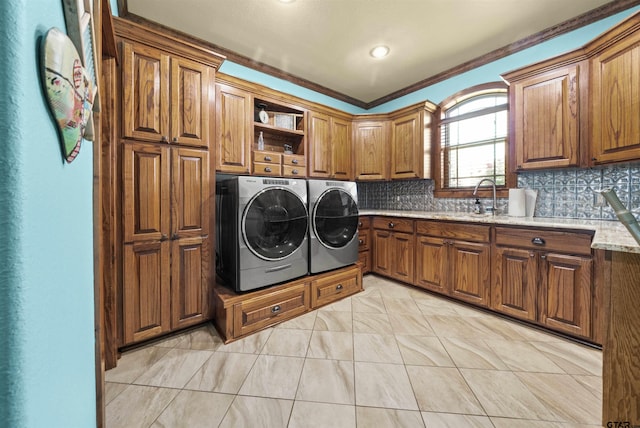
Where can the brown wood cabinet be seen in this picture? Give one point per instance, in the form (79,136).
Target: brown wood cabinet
(165,98)
(411,135)
(372,149)
(454,259)
(615,94)
(238,315)
(234,129)
(393,242)
(547,110)
(166,172)
(545,276)
(364,247)
(329,147)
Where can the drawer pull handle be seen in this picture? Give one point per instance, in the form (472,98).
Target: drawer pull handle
(267,169)
(294,161)
(391,225)
(294,172)
(276,309)
(339,287)
(267,158)
(538,241)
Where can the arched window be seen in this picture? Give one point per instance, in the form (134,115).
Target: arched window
(473,141)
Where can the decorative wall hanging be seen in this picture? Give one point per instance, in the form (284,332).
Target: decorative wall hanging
(78,17)
(70,91)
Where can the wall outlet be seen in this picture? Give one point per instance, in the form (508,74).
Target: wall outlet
(599,200)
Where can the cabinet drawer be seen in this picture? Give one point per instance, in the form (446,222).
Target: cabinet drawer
(266,169)
(294,160)
(334,286)
(254,314)
(364,223)
(393,223)
(464,232)
(363,240)
(552,240)
(267,157)
(294,171)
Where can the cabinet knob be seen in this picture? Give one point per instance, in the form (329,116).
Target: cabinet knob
(174,237)
(267,158)
(360,241)
(391,225)
(267,169)
(294,172)
(594,159)
(175,139)
(519,166)
(276,309)
(163,238)
(543,256)
(532,254)
(339,287)
(294,161)
(164,139)
(359,224)
(538,241)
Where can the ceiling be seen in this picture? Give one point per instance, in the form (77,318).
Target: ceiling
(325,44)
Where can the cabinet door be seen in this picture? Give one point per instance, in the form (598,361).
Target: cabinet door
(431,264)
(146,177)
(565,293)
(234,124)
(189,281)
(382,252)
(190,82)
(371,149)
(469,265)
(546,118)
(190,197)
(514,287)
(145,85)
(616,102)
(402,256)
(146,299)
(406,149)
(319,145)
(341,164)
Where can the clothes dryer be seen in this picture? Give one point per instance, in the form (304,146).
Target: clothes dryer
(262,228)
(333,227)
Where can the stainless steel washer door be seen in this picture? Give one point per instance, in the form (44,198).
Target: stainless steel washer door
(274,223)
(335,218)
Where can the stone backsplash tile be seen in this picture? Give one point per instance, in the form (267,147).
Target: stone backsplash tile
(563,193)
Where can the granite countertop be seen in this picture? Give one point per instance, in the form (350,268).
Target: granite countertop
(609,235)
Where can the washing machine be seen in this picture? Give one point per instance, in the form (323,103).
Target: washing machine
(262,236)
(333,225)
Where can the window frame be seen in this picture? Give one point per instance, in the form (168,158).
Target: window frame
(437,149)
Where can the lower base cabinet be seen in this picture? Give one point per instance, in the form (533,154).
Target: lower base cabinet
(238,315)
(393,244)
(448,262)
(535,281)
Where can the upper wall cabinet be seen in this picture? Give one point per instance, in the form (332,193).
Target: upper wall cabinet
(234,130)
(546,105)
(165,98)
(615,94)
(371,146)
(411,135)
(329,147)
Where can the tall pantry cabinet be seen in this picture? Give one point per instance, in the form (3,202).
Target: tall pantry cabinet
(167,183)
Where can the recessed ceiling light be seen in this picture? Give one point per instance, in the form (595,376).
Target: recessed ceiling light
(379,51)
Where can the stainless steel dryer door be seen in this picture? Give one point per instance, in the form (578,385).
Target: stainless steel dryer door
(274,223)
(335,218)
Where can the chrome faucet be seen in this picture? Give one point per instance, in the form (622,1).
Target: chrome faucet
(493,208)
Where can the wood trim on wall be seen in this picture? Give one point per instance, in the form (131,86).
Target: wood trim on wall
(590,17)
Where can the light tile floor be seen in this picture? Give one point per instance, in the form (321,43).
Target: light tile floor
(391,356)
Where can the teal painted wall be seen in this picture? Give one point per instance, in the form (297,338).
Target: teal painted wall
(439,91)
(47,369)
